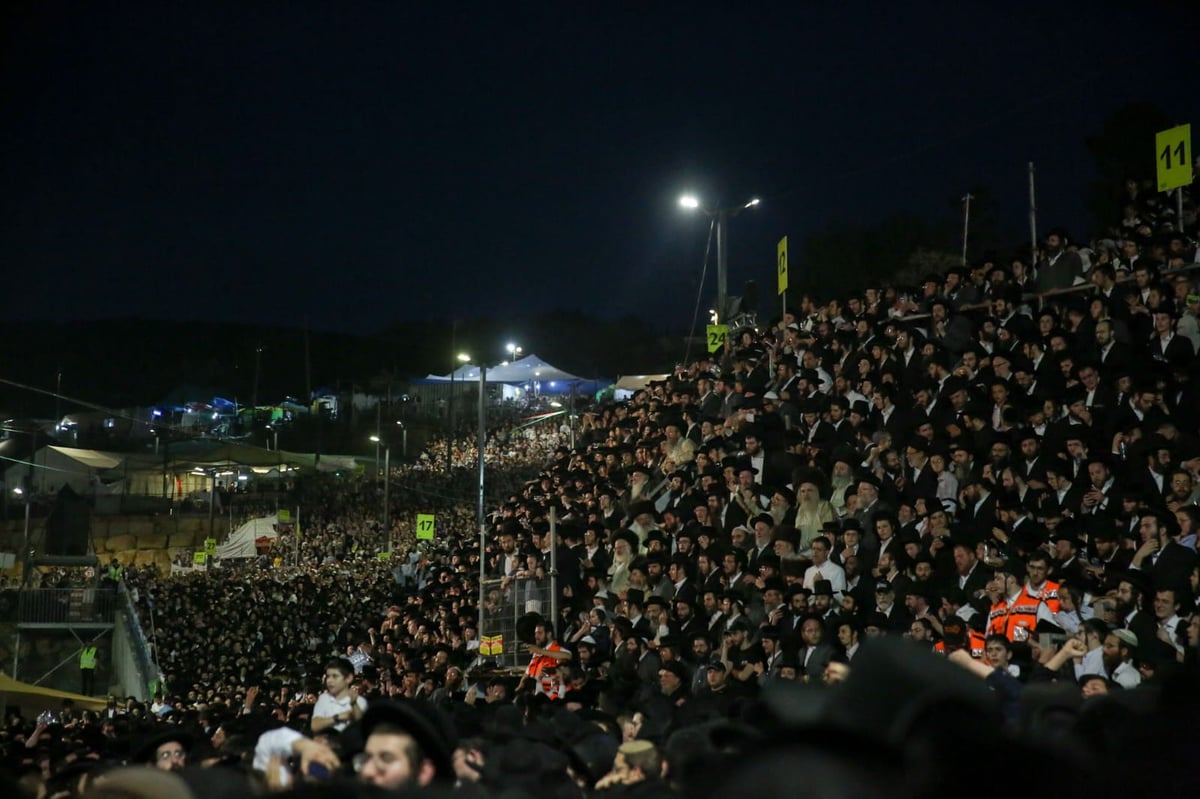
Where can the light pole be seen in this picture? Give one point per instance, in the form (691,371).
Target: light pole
(25,567)
(462,357)
(513,351)
(722,215)
(481,444)
(387,481)
(403,439)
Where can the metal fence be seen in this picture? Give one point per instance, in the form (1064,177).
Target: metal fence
(505,601)
(66,606)
(133,660)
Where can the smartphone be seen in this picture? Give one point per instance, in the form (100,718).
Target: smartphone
(318,771)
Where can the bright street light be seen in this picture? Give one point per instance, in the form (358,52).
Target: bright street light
(513,350)
(463,357)
(387,469)
(691,202)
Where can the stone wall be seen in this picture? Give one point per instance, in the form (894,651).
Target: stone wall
(139,540)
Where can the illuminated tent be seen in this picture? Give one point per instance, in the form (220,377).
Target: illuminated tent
(525,372)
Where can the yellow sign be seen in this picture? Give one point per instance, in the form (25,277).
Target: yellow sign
(285,515)
(491,645)
(383,556)
(210,546)
(781,260)
(716,336)
(1173,149)
(199,558)
(424,526)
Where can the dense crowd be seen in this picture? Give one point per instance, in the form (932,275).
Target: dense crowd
(885,546)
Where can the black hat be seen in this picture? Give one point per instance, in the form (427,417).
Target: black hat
(432,731)
(672,642)
(676,668)
(636,596)
(822,588)
(166,733)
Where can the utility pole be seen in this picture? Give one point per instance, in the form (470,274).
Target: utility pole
(966,201)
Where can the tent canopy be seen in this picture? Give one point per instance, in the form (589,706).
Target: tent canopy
(90,458)
(529,368)
(213,453)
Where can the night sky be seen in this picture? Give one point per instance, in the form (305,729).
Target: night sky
(360,163)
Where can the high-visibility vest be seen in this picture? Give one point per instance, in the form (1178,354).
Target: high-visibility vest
(976,642)
(87,658)
(116,572)
(1016,623)
(1048,594)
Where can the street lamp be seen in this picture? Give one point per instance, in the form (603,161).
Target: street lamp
(403,439)
(513,351)
(462,357)
(722,215)
(19,491)
(387,481)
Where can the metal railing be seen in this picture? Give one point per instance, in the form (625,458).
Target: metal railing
(1037,301)
(133,660)
(505,601)
(66,606)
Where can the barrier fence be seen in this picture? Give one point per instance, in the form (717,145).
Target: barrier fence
(66,606)
(505,601)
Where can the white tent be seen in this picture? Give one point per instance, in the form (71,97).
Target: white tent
(527,369)
(241,543)
(55,467)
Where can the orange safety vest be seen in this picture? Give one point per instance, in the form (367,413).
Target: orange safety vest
(1016,623)
(976,642)
(538,665)
(1048,594)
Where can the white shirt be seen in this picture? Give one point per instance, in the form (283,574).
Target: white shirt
(277,742)
(328,707)
(1092,663)
(1170,625)
(1126,676)
(830,571)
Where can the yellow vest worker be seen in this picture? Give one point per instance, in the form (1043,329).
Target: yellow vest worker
(87,669)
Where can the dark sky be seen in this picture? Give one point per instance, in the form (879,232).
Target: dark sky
(358,163)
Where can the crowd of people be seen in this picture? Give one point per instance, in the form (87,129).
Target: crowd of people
(883,546)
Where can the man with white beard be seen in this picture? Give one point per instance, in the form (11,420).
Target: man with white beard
(812,513)
(842,479)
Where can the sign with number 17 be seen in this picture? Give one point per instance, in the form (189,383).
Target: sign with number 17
(425,526)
